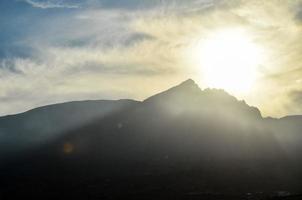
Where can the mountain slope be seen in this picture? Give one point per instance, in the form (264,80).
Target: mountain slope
(183,140)
(40,125)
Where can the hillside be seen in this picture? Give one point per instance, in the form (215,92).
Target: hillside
(182,141)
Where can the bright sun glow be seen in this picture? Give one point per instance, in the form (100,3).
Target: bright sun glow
(229,60)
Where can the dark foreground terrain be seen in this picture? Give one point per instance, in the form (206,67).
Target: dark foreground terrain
(184,143)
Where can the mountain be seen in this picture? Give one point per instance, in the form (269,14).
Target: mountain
(190,98)
(182,143)
(35,127)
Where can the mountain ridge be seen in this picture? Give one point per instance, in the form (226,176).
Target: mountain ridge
(184,98)
(181,140)
(189,94)
(183,86)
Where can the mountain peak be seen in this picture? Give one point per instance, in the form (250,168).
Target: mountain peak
(188,95)
(186,89)
(187,84)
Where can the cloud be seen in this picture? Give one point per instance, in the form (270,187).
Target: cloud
(48,4)
(123,4)
(293,104)
(135,48)
(296,96)
(101,50)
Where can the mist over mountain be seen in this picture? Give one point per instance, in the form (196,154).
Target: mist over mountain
(179,142)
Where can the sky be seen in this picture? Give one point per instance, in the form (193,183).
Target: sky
(54,51)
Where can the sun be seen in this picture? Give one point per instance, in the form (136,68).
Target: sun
(229,59)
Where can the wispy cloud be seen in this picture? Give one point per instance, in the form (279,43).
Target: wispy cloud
(47,4)
(135,48)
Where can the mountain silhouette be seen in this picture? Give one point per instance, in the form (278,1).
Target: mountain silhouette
(40,125)
(183,141)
